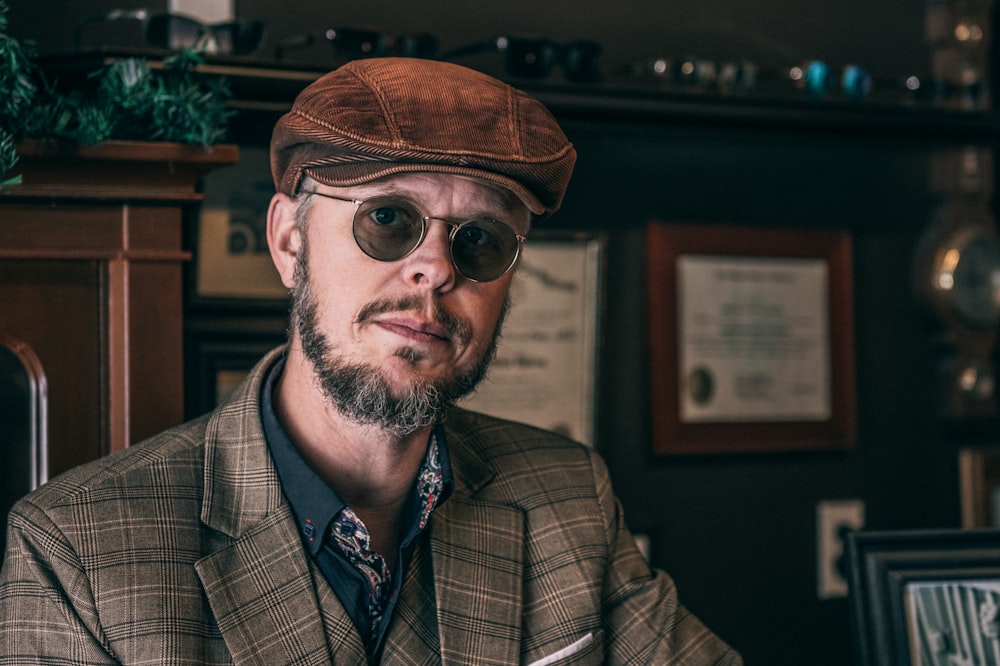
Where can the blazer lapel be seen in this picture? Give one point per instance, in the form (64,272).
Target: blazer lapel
(262,596)
(477,550)
(256,575)
(343,640)
(461,602)
(413,633)
(258,582)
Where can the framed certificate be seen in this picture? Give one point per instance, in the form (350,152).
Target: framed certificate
(545,372)
(751,339)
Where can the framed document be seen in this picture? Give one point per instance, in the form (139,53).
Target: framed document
(751,339)
(545,373)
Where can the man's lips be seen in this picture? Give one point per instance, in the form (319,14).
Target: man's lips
(409,318)
(414,329)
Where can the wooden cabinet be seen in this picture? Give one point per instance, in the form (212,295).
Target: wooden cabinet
(91,264)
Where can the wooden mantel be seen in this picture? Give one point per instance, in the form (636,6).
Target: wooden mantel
(91,264)
(139,170)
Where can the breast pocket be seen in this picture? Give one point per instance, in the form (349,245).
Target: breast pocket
(574,648)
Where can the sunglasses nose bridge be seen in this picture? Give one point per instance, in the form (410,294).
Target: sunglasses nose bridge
(453,228)
(207,42)
(435,259)
(450,225)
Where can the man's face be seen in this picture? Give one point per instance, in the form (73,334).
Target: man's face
(395,343)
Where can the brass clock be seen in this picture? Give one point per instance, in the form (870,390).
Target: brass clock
(959,276)
(963,283)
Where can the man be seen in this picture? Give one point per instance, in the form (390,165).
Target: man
(337,508)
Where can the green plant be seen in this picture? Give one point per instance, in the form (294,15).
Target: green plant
(17,90)
(124,100)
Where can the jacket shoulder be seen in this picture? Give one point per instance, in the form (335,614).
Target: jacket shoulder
(176,455)
(526,464)
(497,438)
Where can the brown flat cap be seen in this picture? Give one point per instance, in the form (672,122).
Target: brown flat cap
(375,117)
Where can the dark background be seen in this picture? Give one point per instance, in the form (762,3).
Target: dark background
(737,532)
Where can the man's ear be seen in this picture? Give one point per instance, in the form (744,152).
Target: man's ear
(284,239)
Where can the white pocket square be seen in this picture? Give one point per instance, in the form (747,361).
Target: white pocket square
(570,649)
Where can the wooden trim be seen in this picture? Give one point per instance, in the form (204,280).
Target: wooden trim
(118,426)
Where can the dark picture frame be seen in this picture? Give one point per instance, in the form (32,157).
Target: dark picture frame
(818,260)
(218,358)
(924,596)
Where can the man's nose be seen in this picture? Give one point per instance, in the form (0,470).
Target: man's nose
(430,264)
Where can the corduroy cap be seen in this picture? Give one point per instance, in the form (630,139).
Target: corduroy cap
(376,117)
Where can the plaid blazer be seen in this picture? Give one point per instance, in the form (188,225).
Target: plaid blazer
(183,550)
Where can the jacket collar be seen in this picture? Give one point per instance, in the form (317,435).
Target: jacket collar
(257,577)
(241,482)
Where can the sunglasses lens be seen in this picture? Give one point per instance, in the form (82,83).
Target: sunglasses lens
(352,44)
(582,61)
(158,31)
(225,38)
(421,45)
(530,58)
(169,31)
(483,250)
(239,37)
(387,228)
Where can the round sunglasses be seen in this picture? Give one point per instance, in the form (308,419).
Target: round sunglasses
(172,31)
(387,228)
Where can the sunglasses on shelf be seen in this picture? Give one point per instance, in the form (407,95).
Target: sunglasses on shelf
(174,32)
(538,57)
(356,43)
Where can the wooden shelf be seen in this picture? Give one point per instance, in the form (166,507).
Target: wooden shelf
(264,89)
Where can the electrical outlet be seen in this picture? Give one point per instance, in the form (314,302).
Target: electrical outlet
(833,519)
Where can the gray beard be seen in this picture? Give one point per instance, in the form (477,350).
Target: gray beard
(359,391)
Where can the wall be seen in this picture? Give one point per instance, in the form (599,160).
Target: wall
(886,36)
(737,532)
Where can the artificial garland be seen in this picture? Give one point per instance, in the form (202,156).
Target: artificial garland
(17,90)
(124,100)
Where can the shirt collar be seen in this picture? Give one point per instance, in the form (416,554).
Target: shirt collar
(314,503)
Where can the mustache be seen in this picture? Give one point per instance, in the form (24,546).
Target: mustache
(458,329)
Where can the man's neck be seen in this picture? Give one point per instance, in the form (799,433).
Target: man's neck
(371,469)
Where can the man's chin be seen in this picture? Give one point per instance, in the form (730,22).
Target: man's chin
(403,377)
